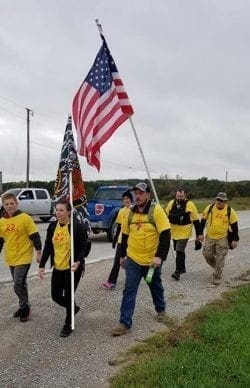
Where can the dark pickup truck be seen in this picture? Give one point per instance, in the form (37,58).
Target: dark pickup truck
(103,209)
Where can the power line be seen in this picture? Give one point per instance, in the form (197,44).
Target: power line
(14,114)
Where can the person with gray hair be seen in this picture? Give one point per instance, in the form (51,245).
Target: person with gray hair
(221,221)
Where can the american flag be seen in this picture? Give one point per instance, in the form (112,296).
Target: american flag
(100,106)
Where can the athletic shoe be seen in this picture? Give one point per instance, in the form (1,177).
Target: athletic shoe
(66,331)
(108,286)
(17,314)
(176,275)
(161,316)
(25,314)
(120,330)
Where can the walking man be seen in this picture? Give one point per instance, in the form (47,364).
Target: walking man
(145,244)
(127,200)
(19,235)
(182,214)
(219,218)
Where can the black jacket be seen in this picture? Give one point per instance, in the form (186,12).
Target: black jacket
(80,244)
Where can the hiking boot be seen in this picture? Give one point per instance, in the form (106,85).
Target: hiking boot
(120,330)
(161,316)
(216,281)
(108,285)
(176,275)
(25,314)
(77,309)
(66,331)
(17,314)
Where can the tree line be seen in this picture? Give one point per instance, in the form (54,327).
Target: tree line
(165,188)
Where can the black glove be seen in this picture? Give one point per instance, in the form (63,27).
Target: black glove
(198,245)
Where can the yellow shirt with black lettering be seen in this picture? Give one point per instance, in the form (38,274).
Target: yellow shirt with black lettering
(62,247)
(18,248)
(119,220)
(179,232)
(217,221)
(143,236)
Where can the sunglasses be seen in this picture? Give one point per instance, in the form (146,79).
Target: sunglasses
(219,200)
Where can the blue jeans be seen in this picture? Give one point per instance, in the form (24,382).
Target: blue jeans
(134,274)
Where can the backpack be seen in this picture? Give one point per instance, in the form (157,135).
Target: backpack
(228,212)
(150,215)
(179,216)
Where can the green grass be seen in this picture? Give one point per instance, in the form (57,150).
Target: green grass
(210,349)
(238,203)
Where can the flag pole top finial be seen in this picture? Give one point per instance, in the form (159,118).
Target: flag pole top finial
(99,26)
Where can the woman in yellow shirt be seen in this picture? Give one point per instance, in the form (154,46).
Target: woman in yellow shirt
(58,248)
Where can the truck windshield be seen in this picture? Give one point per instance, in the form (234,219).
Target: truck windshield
(109,194)
(14,191)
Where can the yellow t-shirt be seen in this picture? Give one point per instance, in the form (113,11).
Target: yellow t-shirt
(119,220)
(143,237)
(18,248)
(217,221)
(62,247)
(179,232)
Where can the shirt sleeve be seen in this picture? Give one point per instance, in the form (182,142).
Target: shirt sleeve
(161,219)
(194,216)
(169,207)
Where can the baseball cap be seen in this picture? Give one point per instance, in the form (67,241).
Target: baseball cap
(142,186)
(222,196)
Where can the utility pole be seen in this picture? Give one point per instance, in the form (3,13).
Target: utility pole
(226,180)
(29,111)
(1,182)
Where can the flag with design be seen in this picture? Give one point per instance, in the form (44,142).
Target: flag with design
(69,163)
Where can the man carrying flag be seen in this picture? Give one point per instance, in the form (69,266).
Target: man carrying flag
(100,106)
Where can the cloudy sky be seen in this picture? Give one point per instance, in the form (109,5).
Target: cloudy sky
(185,66)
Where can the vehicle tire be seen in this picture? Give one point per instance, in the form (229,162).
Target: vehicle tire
(45,219)
(112,230)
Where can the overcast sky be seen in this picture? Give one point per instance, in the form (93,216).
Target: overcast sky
(185,66)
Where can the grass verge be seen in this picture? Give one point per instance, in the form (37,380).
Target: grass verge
(211,348)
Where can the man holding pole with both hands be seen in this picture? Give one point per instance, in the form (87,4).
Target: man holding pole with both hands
(145,244)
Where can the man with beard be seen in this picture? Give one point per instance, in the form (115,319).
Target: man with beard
(182,214)
(145,244)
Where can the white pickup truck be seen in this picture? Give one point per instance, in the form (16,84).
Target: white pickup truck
(33,201)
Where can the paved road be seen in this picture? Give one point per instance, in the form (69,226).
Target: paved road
(101,248)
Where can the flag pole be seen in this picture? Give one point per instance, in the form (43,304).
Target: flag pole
(72,253)
(99,26)
(144,160)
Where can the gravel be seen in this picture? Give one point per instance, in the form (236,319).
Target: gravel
(32,354)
